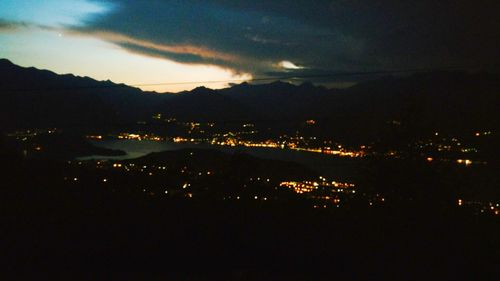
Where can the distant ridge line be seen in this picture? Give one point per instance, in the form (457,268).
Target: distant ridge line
(276,78)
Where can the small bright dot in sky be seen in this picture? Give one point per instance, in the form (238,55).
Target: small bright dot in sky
(289,65)
(87,56)
(39,22)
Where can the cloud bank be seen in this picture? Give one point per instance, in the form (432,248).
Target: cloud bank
(275,37)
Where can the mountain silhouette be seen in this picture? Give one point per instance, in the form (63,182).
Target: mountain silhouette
(40,98)
(452,102)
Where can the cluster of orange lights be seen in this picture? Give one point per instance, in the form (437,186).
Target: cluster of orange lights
(478,134)
(464,161)
(180,139)
(300,187)
(489,207)
(139,137)
(309,186)
(341,152)
(341,184)
(268,143)
(232,141)
(458,161)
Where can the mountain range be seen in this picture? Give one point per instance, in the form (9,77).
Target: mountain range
(422,102)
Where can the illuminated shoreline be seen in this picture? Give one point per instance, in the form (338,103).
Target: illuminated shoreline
(232,143)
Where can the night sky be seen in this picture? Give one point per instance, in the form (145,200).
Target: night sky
(138,42)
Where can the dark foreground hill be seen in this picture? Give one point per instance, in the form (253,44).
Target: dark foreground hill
(82,232)
(237,165)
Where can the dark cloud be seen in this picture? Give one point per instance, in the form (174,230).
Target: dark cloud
(10,26)
(340,35)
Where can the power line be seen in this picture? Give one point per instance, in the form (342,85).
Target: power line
(306,76)
(260,79)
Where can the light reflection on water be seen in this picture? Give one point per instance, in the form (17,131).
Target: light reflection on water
(328,165)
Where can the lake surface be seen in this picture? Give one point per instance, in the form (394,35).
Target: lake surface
(329,166)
